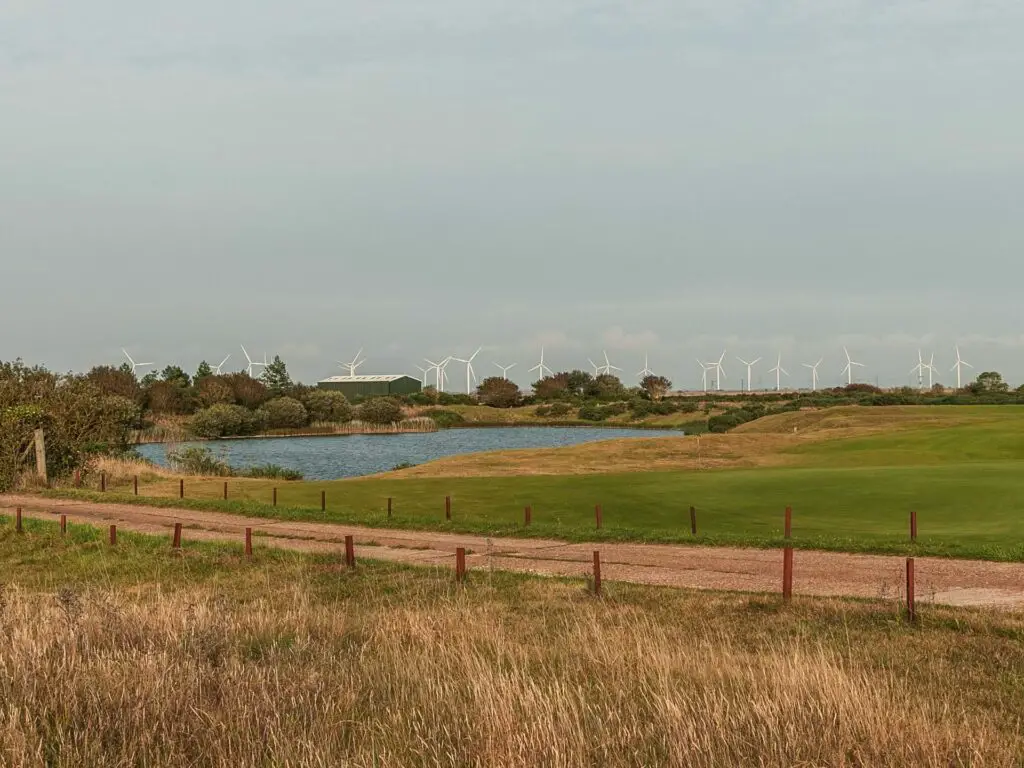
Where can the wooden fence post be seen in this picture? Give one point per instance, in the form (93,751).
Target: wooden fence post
(527,515)
(597,573)
(225,490)
(350,552)
(176,543)
(41,456)
(693,520)
(63,525)
(323,501)
(447,507)
(275,497)
(78,478)
(135,484)
(181,488)
(389,507)
(597,515)
(113,535)
(913,526)
(248,543)
(789,523)
(787,574)
(17,520)
(460,564)
(103,481)
(911,608)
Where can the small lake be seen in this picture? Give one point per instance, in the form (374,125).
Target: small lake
(328,458)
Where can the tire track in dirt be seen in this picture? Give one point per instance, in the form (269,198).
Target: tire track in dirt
(947,581)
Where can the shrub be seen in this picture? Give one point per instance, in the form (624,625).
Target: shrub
(498,392)
(284,412)
(595,412)
(380,410)
(325,405)
(212,390)
(272,472)
(444,419)
(221,420)
(196,460)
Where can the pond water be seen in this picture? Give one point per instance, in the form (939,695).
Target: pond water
(327,458)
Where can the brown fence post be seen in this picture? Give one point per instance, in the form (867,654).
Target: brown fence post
(17,520)
(527,515)
(78,478)
(911,608)
(135,483)
(63,525)
(787,574)
(447,507)
(389,506)
(275,497)
(693,520)
(597,515)
(597,573)
(913,526)
(176,543)
(113,535)
(225,490)
(181,488)
(460,564)
(103,481)
(323,501)
(789,522)
(248,543)
(350,552)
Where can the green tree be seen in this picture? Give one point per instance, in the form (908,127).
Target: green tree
(149,379)
(380,410)
(246,390)
(173,374)
(606,387)
(498,392)
(655,387)
(203,371)
(275,376)
(552,387)
(989,381)
(115,381)
(325,405)
(284,413)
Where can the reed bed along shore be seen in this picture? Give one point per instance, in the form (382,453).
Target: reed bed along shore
(136,656)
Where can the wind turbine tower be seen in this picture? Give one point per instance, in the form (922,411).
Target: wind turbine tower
(253,363)
(848,370)
(504,369)
(778,370)
(354,365)
(540,367)
(750,367)
(814,374)
(958,366)
(919,369)
(135,366)
(705,368)
(217,368)
(932,371)
(719,371)
(608,367)
(469,368)
(646,371)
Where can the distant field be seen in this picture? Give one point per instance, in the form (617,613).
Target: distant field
(134,655)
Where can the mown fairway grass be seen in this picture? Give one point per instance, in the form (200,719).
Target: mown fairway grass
(966,483)
(135,655)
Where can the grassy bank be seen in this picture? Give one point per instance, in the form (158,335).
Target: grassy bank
(290,660)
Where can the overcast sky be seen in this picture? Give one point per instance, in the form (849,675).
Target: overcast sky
(423,177)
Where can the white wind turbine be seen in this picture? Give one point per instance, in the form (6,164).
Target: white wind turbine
(608,367)
(814,374)
(919,369)
(217,368)
(423,376)
(646,371)
(470,373)
(253,363)
(595,366)
(932,371)
(443,370)
(135,366)
(438,369)
(719,372)
(705,367)
(958,366)
(356,362)
(504,369)
(848,370)
(778,370)
(540,367)
(750,366)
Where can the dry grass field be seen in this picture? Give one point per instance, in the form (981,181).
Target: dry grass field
(135,656)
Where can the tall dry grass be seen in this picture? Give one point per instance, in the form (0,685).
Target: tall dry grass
(157,678)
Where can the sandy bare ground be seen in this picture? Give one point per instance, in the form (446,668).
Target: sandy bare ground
(952,582)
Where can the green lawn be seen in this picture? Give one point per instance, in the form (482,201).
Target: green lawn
(966,483)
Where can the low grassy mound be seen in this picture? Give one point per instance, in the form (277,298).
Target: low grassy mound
(290,660)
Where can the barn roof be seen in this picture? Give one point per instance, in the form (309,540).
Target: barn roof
(354,379)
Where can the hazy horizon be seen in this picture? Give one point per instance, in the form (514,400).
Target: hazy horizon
(420,179)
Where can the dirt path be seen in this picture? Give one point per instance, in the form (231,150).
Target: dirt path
(953,582)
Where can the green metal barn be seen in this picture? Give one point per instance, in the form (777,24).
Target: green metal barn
(371,386)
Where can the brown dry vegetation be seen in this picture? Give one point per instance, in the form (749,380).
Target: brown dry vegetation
(213,662)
